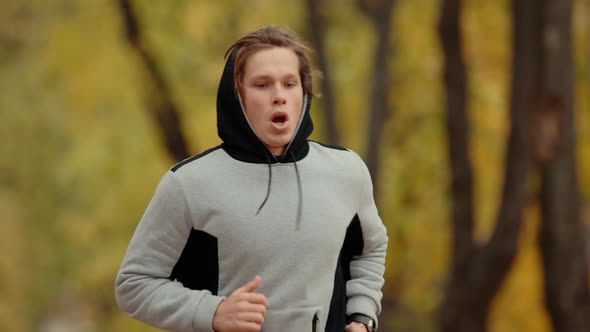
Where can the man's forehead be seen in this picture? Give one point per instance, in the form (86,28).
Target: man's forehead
(276,56)
(271,67)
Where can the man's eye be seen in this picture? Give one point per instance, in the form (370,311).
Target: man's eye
(261,85)
(291,84)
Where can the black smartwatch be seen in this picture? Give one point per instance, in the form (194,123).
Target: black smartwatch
(363,319)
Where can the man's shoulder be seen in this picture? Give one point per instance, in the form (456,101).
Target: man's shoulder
(329,146)
(335,153)
(193,159)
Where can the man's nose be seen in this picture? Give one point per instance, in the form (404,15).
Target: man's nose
(279,97)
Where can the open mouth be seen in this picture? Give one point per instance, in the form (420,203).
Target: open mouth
(279,118)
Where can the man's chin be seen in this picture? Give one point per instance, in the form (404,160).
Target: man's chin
(277,149)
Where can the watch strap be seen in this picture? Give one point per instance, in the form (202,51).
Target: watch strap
(363,319)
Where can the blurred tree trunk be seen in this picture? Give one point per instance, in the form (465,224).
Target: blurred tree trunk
(317,32)
(161,105)
(477,271)
(562,238)
(381,13)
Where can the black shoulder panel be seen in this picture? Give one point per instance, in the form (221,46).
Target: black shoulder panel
(198,265)
(193,158)
(352,246)
(330,146)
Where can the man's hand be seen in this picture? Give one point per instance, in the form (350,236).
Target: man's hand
(356,327)
(242,311)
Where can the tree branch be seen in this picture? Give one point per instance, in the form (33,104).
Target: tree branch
(316,23)
(381,13)
(162,107)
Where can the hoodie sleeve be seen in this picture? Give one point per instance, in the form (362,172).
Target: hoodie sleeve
(143,288)
(366,270)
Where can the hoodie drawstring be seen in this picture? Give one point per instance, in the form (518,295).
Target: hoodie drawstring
(300,202)
(268,185)
(299,189)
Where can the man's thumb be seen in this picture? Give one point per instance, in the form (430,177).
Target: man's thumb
(249,287)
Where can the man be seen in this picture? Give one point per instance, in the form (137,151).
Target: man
(268,231)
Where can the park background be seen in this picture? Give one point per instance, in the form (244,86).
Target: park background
(99,98)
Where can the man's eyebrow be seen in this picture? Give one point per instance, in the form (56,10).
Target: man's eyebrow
(260,77)
(269,77)
(291,76)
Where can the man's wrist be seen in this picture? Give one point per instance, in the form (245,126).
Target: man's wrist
(367,321)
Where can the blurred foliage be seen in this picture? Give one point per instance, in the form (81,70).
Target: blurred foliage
(81,159)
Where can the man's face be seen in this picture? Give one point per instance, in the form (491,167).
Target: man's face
(272,95)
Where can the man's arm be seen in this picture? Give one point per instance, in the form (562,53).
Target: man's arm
(367,269)
(143,288)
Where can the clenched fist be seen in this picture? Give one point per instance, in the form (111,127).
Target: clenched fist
(242,311)
(355,327)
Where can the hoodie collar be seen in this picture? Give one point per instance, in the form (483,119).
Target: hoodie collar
(239,140)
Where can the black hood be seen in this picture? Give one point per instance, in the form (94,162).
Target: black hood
(239,140)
